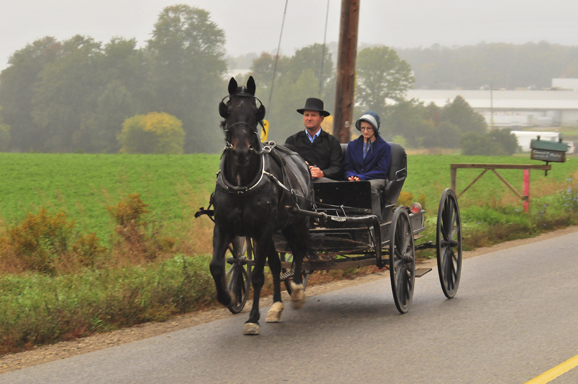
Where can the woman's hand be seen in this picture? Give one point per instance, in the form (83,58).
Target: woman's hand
(354,178)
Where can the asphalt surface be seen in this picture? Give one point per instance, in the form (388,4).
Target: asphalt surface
(515,316)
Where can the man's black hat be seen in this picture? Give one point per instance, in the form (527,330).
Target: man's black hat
(313,104)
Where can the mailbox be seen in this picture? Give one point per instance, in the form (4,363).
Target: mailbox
(549,151)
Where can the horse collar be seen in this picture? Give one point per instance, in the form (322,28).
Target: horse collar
(230,188)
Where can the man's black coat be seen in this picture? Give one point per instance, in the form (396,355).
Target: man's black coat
(324,152)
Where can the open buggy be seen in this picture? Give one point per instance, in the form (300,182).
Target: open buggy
(345,234)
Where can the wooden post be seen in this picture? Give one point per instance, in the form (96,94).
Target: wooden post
(346,57)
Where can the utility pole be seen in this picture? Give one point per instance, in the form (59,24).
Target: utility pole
(346,57)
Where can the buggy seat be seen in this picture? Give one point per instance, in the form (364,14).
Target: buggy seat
(395,175)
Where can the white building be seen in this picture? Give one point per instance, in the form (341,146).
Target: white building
(525,138)
(565,84)
(512,108)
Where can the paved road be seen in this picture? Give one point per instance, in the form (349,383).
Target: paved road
(514,317)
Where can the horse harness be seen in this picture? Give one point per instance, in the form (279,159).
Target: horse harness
(267,151)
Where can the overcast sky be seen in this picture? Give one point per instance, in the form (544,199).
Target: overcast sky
(254,25)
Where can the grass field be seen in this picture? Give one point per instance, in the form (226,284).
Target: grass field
(83,185)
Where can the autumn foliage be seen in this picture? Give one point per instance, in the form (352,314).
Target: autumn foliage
(152,133)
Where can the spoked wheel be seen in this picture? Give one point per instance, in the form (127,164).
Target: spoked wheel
(401,259)
(449,243)
(238,275)
(287,275)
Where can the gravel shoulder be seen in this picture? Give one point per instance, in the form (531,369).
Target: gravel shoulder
(45,354)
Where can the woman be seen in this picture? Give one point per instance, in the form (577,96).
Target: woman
(368,158)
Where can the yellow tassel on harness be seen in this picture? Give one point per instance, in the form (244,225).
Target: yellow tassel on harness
(265,131)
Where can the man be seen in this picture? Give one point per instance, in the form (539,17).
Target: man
(320,150)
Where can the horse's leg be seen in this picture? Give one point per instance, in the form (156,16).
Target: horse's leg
(297,236)
(221,241)
(258,279)
(274,314)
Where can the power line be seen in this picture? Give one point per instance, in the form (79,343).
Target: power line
(323,54)
(277,57)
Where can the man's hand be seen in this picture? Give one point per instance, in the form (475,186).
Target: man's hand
(316,172)
(353,178)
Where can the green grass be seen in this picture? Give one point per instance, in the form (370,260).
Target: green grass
(430,174)
(37,308)
(83,185)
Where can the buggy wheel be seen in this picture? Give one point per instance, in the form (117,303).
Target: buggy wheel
(238,275)
(449,243)
(401,259)
(287,275)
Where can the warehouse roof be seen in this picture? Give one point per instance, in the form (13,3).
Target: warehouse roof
(502,99)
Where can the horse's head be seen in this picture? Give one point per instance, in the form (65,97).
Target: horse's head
(242,116)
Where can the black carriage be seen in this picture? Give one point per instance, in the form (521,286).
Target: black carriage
(345,234)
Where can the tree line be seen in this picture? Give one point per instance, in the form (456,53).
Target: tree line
(503,65)
(74,95)
(77,95)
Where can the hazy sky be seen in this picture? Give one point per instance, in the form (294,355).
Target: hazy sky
(254,25)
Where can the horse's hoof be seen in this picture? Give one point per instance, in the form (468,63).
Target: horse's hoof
(233,299)
(228,299)
(274,314)
(297,295)
(251,329)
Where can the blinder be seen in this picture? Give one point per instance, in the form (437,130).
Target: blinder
(224,112)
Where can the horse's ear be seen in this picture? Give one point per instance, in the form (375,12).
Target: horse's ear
(223,110)
(261,113)
(232,86)
(251,86)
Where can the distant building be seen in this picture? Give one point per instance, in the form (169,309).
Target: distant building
(515,108)
(525,138)
(565,84)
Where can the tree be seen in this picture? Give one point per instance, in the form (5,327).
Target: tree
(113,107)
(381,75)
(505,65)
(152,133)
(187,62)
(473,143)
(262,71)
(506,142)
(460,114)
(297,78)
(17,86)
(4,134)
(65,97)
(498,142)
(406,119)
(290,95)
(124,92)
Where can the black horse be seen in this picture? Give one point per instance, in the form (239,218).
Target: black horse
(259,190)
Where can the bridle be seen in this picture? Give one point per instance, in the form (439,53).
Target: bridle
(226,127)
